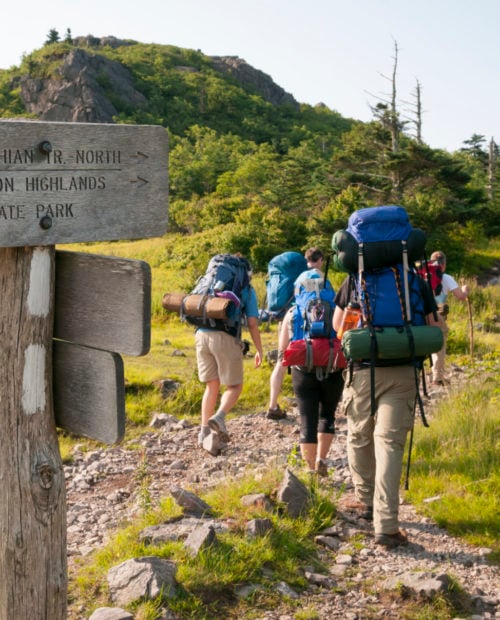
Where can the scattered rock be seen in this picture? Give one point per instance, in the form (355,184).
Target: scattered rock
(139,578)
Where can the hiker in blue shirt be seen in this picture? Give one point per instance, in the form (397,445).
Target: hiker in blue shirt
(219,356)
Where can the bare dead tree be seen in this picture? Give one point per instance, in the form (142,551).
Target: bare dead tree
(416,112)
(386,112)
(492,164)
(394,119)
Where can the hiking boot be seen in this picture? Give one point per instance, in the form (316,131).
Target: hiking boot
(392,540)
(321,468)
(217,424)
(361,510)
(275,413)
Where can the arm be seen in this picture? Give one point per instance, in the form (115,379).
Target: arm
(450,285)
(251,309)
(461,292)
(337,318)
(341,301)
(284,335)
(253,328)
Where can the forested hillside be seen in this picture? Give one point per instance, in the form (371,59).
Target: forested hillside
(251,169)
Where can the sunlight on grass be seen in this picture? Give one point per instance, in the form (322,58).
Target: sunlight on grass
(455,465)
(206,582)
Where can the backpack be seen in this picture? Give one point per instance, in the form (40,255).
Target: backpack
(377,236)
(282,271)
(314,306)
(432,273)
(313,342)
(395,329)
(215,300)
(388,290)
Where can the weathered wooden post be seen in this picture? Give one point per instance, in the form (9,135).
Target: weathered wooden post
(32,513)
(59,183)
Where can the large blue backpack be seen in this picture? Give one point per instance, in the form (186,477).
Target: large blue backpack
(282,272)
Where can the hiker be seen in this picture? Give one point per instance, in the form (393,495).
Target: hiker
(375,443)
(449,285)
(219,355)
(314,258)
(317,399)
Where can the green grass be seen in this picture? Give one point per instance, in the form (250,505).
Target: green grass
(207,582)
(455,473)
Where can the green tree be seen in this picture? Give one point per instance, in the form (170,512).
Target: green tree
(52,37)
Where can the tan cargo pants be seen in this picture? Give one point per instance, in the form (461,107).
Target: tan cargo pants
(375,444)
(438,359)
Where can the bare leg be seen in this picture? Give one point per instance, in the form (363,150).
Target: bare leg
(309,452)
(324,443)
(209,400)
(230,397)
(275,384)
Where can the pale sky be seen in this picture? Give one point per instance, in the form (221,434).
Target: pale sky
(339,52)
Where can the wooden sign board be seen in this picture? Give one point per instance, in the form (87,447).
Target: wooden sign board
(103,302)
(71,182)
(89,392)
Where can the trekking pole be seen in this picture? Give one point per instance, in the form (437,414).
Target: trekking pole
(407,477)
(471,327)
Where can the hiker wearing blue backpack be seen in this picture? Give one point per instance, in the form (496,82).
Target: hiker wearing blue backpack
(308,345)
(398,326)
(313,259)
(448,285)
(219,350)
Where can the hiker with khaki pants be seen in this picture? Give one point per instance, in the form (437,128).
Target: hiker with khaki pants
(376,443)
(376,439)
(449,285)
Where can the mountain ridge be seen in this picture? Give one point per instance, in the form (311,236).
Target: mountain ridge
(76,92)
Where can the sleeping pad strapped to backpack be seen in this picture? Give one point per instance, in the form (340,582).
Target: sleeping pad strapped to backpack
(215,300)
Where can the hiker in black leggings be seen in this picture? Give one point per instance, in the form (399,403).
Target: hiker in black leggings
(317,400)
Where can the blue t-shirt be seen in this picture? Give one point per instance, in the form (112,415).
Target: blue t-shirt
(249,303)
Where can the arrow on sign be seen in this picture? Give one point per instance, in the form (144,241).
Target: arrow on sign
(140,181)
(139,154)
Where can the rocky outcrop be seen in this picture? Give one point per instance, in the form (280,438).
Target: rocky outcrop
(246,75)
(89,87)
(79,92)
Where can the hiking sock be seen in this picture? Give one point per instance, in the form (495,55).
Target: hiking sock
(204,432)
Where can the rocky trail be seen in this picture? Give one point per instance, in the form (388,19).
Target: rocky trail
(104,492)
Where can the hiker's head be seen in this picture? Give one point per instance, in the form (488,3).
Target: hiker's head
(314,257)
(439,257)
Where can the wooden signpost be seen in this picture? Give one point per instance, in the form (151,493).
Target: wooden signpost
(63,183)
